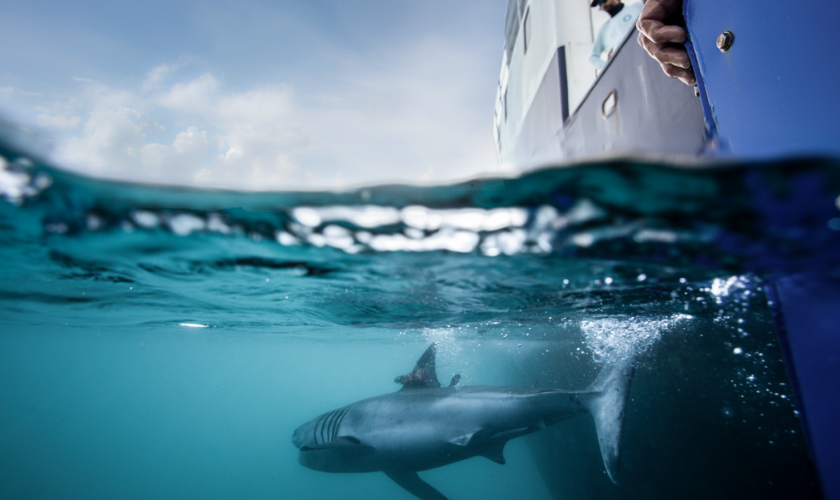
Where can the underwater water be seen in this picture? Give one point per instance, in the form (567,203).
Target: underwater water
(166,343)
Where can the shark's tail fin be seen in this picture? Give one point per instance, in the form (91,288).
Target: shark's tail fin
(605,399)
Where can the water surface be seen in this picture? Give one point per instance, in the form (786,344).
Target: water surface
(165,343)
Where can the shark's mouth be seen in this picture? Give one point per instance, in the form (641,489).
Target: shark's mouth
(342,440)
(343,454)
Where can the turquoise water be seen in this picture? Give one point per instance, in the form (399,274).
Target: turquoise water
(165,343)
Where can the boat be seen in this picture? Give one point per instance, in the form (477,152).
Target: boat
(769,94)
(765,90)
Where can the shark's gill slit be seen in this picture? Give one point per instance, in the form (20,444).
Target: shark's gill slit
(326,429)
(316,432)
(324,435)
(338,424)
(331,423)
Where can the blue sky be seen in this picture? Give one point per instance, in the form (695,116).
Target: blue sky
(258,95)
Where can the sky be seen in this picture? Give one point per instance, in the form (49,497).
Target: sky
(257,95)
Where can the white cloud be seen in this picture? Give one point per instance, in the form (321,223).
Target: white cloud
(155,76)
(407,110)
(288,98)
(191,143)
(255,136)
(9,90)
(58,121)
(194,97)
(153,155)
(407,115)
(256,133)
(114,136)
(178,161)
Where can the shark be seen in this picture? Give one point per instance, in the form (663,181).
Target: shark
(423,426)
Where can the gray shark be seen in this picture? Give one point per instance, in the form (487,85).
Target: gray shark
(423,425)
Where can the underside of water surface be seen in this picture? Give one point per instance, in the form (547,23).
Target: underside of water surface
(165,343)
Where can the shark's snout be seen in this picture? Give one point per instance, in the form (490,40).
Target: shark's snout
(298,437)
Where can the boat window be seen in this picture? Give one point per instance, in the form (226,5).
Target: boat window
(515,9)
(526,31)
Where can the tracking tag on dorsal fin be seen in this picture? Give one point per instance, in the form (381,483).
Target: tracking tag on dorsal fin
(423,376)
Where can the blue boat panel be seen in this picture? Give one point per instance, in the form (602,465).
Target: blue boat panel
(811,327)
(774,92)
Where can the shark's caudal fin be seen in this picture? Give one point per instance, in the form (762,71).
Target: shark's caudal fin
(605,399)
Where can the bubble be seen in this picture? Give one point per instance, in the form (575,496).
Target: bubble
(613,339)
(737,350)
(727,412)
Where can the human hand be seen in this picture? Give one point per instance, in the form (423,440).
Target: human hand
(659,38)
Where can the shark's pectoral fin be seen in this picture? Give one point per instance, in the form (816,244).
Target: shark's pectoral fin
(495,452)
(412,483)
(491,445)
(495,445)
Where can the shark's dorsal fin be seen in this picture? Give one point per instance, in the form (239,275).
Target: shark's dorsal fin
(455,380)
(423,376)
